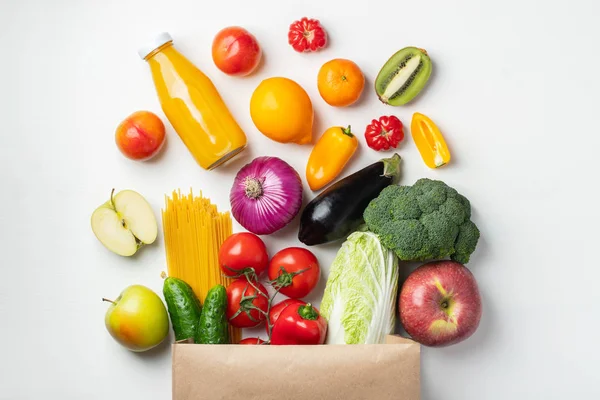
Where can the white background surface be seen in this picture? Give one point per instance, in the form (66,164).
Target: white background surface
(515,90)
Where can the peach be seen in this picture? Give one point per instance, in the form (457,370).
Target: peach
(140,136)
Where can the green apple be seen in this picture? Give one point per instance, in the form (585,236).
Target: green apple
(125,223)
(137,319)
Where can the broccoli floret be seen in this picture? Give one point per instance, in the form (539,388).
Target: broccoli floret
(429,220)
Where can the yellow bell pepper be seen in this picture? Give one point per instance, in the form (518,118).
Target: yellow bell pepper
(429,141)
(329,156)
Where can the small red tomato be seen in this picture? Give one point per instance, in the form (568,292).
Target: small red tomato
(235,51)
(294,271)
(307,35)
(299,324)
(246,308)
(252,340)
(241,253)
(278,308)
(384,133)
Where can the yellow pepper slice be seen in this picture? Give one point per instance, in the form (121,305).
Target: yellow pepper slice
(429,141)
(329,156)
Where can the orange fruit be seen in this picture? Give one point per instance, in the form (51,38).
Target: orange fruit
(340,82)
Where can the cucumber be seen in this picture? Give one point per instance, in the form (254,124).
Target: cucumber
(184,308)
(212,328)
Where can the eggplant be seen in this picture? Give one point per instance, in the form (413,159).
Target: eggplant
(338,210)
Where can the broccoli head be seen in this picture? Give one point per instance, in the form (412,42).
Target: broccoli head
(429,220)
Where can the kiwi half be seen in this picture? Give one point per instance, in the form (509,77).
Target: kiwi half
(403,76)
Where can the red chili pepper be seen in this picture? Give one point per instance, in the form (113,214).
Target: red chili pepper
(299,324)
(307,35)
(384,133)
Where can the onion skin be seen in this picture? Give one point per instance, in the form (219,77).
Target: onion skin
(266,195)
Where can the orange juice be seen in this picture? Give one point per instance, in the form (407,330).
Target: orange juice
(193,105)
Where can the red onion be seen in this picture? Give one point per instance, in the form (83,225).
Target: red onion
(266,195)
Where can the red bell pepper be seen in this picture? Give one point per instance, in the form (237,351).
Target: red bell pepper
(299,324)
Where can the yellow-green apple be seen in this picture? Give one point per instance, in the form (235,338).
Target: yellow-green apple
(440,304)
(125,223)
(140,136)
(137,319)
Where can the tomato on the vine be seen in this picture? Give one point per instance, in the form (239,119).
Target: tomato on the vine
(294,271)
(251,340)
(246,307)
(299,324)
(276,310)
(242,253)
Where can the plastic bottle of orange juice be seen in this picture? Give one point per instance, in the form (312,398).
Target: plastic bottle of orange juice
(193,105)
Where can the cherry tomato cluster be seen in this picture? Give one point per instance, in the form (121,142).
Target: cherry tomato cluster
(293,271)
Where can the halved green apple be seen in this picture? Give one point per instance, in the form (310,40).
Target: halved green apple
(125,223)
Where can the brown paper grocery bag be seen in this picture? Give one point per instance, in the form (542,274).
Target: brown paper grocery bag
(345,372)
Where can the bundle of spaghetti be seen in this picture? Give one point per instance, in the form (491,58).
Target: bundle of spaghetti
(193,232)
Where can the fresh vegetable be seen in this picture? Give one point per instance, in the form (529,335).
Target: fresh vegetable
(429,141)
(294,272)
(140,136)
(235,51)
(360,295)
(184,308)
(246,307)
(338,210)
(282,111)
(340,82)
(307,35)
(429,220)
(266,195)
(212,326)
(299,324)
(252,341)
(124,223)
(243,253)
(403,76)
(384,133)
(440,303)
(276,310)
(137,319)
(329,156)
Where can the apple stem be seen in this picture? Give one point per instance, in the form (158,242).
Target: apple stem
(110,301)
(112,203)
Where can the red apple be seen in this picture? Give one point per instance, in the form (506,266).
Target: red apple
(440,304)
(140,136)
(235,51)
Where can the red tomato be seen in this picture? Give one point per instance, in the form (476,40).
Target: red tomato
(299,324)
(235,51)
(384,133)
(278,308)
(242,252)
(295,271)
(246,308)
(252,340)
(307,35)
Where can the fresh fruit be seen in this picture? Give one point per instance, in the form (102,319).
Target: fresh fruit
(276,310)
(212,326)
(246,307)
(137,319)
(140,136)
(430,141)
(183,306)
(294,271)
(235,51)
(307,35)
(338,210)
(403,76)
(384,133)
(329,156)
(243,253)
(124,223)
(299,324)
(440,304)
(282,111)
(252,341)
(340,82)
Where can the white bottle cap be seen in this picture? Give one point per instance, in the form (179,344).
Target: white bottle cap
(158,41)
